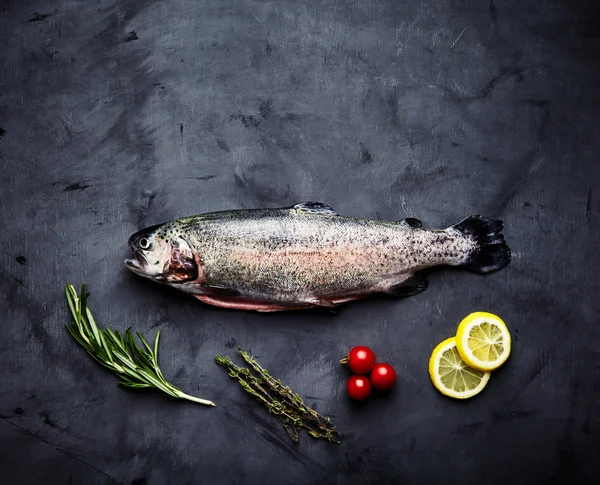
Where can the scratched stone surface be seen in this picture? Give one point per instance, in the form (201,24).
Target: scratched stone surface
(119,115)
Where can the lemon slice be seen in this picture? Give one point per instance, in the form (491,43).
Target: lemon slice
(451,375)
(483,341)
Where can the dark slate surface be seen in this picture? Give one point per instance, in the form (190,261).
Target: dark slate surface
(118,115)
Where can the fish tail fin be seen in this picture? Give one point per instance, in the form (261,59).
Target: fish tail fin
(491,252)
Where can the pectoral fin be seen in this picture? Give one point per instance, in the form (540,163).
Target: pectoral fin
(213,290)
(220,291)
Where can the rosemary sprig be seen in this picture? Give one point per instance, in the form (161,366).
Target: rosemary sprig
(280,400)
(135,366)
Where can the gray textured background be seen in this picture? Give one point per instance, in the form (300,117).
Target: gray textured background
(119,115)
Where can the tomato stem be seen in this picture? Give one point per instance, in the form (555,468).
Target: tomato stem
(345,360)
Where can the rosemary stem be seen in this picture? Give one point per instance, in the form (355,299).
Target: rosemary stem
(183,395)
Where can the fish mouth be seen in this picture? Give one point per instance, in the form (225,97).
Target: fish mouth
(138,264)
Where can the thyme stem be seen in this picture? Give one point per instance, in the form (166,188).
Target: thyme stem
(293,413)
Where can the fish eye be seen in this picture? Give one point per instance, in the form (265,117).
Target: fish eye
(144,243)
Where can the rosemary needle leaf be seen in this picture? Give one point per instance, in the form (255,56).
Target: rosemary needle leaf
(136,367)
(154,350)
(145,343)
(133,385)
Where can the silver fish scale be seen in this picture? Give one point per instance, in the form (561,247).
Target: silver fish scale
(290,255)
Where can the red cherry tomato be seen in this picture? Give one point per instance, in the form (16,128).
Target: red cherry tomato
(358,388)
(383,377)
(361,360)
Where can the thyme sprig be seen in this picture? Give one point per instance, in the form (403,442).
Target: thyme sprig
(137,367)
(280,400)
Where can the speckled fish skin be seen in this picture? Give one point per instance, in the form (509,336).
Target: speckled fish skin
(307,255)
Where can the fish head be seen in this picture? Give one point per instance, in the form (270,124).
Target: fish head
(161,253)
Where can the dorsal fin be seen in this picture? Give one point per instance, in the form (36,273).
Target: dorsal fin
(315,208)
(412,222)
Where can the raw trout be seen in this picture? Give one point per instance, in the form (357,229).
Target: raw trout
(307,256)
